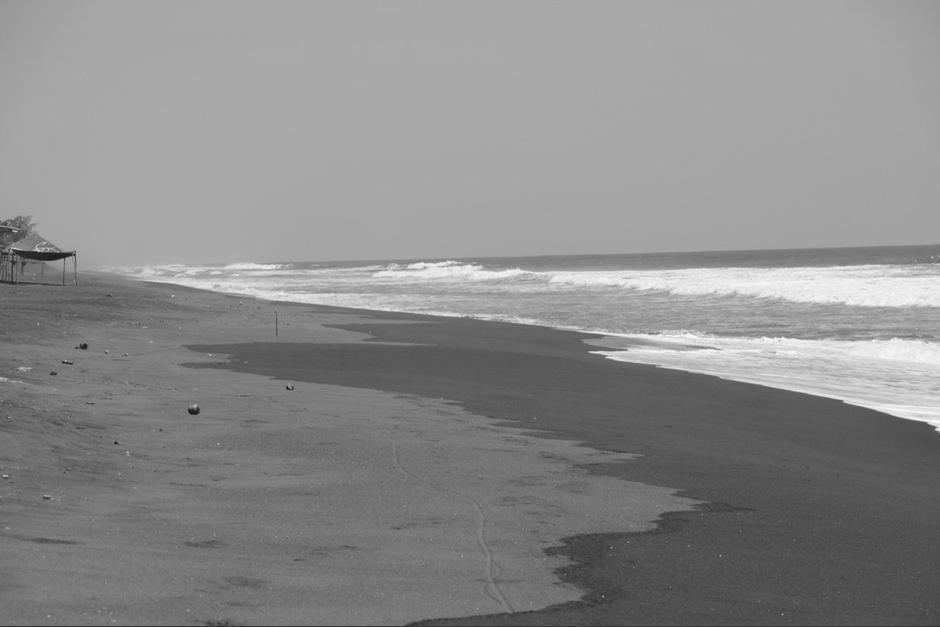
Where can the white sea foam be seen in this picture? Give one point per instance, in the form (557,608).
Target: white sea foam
(895,349)
(906,370)
(155,270)
(909,352)
(445,270)
(866,286)
(247,265)
(177,270)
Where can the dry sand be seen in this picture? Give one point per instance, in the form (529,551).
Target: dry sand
(322,504)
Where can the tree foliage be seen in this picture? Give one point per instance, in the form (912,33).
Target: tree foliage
(25,225)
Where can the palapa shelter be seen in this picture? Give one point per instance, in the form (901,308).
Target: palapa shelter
(34,247)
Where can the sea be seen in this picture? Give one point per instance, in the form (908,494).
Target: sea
(857,324)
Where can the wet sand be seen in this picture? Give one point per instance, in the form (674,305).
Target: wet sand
(426,468)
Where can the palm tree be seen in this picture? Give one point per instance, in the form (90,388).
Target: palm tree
(14,229)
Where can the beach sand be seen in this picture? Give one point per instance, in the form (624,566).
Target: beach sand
(426,468)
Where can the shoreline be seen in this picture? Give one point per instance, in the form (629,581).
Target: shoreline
(619,346)
(802,492)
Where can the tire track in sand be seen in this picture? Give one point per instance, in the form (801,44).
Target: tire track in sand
(491,589)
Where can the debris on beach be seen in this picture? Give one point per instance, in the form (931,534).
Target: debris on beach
(53,373)
(46,496)
(107,352)
(193,409)
(83,346)
(289,386)
(4,476)
(68,362)
(24,369)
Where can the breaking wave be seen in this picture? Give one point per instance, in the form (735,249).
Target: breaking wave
(863,286)
(446,270)
(256,266)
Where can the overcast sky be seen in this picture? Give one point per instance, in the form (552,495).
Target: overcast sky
(221,131)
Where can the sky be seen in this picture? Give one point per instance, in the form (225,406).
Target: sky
(224,131)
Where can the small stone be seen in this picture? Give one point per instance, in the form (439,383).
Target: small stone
(53,373)
(107,352)
(68,362)
(46,496)
(193,409)
(4,476)
(289,386)
(126,355)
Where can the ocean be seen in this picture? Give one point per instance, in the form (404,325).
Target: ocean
(857,324)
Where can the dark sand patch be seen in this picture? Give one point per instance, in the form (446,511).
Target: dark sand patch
(822,512)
